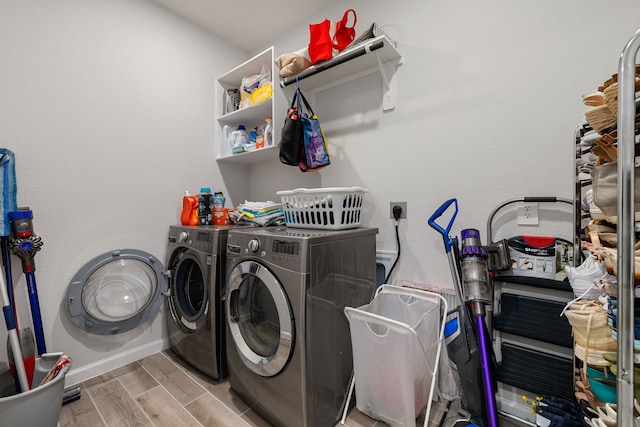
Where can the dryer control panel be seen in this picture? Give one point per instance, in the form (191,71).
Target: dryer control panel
(286,247)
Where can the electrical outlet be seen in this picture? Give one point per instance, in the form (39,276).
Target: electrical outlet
(528,214)
(403,205)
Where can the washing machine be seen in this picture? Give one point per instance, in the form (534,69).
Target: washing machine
(288,342)
(195,263)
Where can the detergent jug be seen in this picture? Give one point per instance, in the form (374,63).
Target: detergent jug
(189,215)
(227,138)
(240,137)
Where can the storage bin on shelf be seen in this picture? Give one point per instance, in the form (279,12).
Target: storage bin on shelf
(397,344)
(334,208)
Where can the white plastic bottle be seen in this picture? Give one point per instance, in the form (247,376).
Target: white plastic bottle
(268,132)
(240,136)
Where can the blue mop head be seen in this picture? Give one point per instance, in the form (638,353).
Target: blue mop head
(8,195)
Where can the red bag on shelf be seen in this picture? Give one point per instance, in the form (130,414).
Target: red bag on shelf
(345,35)
(320,46)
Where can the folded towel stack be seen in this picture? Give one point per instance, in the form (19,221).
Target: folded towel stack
(261,213)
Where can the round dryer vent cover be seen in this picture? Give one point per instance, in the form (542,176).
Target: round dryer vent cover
(116,291)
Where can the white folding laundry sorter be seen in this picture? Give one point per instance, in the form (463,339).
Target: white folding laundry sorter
(397,343)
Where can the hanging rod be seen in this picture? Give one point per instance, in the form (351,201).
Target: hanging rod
(337,60)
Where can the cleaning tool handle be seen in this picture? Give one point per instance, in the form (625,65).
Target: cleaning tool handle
(487,377)
(36,316)
(13,336)
(448,243)
(8,189)
(6,262)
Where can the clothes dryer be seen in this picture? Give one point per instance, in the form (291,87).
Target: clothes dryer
(288,342)
(196,274)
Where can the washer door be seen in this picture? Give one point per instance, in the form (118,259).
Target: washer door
(188,291)
(116,291)
(260,318)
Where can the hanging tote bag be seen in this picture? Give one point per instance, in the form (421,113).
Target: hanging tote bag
(292,136)
(316,152)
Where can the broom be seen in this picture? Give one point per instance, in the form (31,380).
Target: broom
(8,204)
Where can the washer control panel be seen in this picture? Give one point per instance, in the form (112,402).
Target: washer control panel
(253,245)
(200,239)
(286,247)
(283,251)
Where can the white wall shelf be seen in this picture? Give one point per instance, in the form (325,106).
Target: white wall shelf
(259,155)
(374,55)
(378,54)
(250,116)
(253,113)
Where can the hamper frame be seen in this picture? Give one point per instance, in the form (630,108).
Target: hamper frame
(402,327)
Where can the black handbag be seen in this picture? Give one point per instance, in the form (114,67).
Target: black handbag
(292,135)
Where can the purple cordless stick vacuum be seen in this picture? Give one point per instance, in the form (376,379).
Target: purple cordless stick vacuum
(477,292)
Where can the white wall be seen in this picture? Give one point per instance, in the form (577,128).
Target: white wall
(488,100)
(109,108)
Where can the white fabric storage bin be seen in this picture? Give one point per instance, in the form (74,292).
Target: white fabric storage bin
(397,340)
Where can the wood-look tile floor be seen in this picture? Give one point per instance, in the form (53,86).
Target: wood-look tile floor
(161,390)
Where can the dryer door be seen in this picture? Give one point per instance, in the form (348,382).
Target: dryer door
(260,318)
(116,291)
(188,291)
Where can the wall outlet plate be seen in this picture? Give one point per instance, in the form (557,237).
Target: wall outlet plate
(403,205)
(528,214)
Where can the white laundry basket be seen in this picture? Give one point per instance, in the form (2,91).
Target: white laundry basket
(397,341)
(332,208)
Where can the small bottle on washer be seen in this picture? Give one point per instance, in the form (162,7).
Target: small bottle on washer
(205,206)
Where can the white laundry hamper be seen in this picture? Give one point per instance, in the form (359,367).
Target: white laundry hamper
(397,341)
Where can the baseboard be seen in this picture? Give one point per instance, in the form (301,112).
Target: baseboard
(76,376)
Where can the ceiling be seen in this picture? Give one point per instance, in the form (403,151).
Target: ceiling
(231,20)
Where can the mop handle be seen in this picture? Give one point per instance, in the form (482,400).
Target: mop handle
(13,336)
(451,249)
(448,242)
(6,261)
(36,317)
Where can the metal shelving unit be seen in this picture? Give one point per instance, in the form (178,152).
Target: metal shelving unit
(626,228)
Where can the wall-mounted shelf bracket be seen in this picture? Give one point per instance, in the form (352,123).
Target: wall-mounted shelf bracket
(388,85)
(374,55)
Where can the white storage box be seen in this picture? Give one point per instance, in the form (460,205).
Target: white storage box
(397,341)
(335,208)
